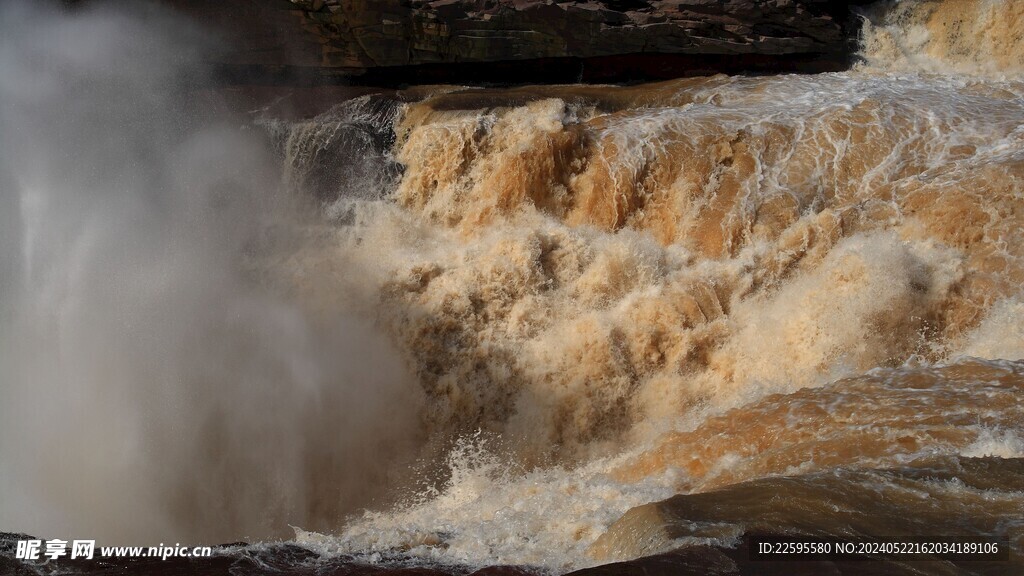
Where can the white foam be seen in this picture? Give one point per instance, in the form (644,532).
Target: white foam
(491,513)
(999,443)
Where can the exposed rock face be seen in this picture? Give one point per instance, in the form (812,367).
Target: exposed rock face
(371,33)
(608,37)
(395,42)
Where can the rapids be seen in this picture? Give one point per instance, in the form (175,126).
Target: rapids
(537,325)
(672,288)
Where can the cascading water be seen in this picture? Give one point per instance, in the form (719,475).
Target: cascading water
(574,300)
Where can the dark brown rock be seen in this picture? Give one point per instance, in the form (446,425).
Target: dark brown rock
(722,561)
(507,571)
(375,34)
(391,42)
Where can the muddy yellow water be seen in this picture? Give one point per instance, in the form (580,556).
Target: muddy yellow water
(617,294)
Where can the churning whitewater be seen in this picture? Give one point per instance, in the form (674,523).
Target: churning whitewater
(582,308)
(659,289)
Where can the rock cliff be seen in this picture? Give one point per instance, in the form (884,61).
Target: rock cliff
(389,42)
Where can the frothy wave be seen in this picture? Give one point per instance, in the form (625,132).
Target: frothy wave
(971,37)
(594,273)
(595,297)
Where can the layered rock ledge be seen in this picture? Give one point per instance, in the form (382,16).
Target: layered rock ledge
(394,42)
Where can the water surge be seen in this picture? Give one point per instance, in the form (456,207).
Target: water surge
(551,325)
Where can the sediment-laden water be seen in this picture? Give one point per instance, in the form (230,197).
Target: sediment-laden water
(521,317)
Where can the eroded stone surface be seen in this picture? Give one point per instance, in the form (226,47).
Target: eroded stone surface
(516,41)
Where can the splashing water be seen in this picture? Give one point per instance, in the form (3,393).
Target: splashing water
(155,384)
(583,269)
(690,286)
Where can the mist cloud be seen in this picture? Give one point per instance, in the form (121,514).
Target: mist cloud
(154,386)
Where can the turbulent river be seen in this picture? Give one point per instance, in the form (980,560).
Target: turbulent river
(516,322)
